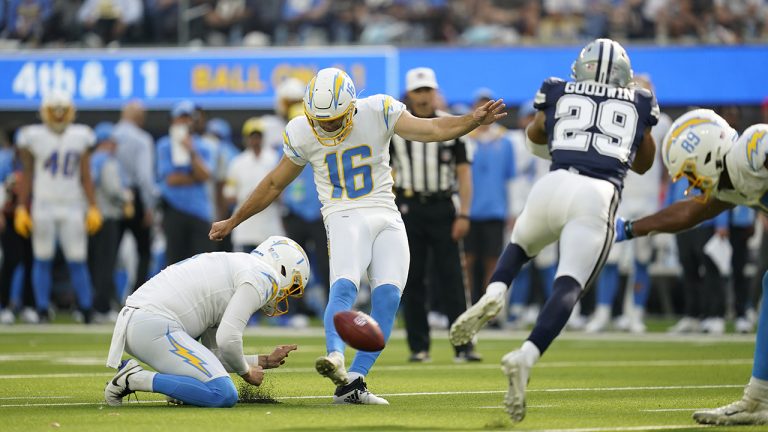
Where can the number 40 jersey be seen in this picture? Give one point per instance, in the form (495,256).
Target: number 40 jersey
(595,129)
(57,161)
(356,172)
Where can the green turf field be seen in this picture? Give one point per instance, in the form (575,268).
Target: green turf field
(52,378)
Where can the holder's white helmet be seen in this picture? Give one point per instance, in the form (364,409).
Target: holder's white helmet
(604,61)
(292,266)
(694,148)
(57,111)
(329,101)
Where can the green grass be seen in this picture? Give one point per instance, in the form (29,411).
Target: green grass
(581,383)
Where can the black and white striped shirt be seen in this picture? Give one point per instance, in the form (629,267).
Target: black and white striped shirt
(427,169)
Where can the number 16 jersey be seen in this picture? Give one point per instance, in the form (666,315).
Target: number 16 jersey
(595,129)
(57,161)
(356,172)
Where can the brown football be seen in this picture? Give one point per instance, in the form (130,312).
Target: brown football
(359,330)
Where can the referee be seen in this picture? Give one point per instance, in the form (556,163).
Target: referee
(426,175)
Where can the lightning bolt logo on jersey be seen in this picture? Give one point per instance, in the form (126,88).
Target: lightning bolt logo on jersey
(358,166)
(745,162)
(595,128)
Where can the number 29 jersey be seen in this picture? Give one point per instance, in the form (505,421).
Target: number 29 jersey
(595,129)
(356,172)
(57,161)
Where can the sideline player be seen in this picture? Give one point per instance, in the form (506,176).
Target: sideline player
(210,296)
(700,148)
(594,129)
(55,157)
(346,142)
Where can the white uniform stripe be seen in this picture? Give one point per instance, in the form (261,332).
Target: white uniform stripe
(605,60)
(417,159)
(404,175)
(433,167)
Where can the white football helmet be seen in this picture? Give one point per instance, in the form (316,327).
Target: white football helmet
(288,93)
(292,266)
(694,148)
(330,100)
(57,111)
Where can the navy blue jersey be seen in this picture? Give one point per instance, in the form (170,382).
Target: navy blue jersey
(595,128)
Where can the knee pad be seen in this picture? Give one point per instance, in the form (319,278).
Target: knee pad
(225,389)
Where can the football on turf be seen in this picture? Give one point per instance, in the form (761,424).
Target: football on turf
(359,330)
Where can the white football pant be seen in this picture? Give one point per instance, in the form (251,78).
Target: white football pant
(580,212)
(372,240)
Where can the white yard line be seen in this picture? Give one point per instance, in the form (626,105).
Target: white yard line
(35,397)
(619,428)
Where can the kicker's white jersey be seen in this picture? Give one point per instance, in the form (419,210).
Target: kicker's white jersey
(745,162)
(355,173)
(195,292)
(57,161)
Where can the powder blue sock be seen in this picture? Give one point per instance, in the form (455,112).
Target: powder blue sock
(607,284)
(341,298)
(81,282)
(42,279)
(760,366)
(642,284)
(216,393)
(385,299)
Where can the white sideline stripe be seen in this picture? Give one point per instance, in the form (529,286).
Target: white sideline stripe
(620,428)
(444,393)
(75,404)
(674,409)
(59,375)
(35,397)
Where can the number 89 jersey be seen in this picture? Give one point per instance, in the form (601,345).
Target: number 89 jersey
(355,173)
(57,161)
(595,128)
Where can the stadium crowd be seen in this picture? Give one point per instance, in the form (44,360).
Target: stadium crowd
(93,23)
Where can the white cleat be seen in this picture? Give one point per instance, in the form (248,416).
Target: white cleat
(356,393)
(7,317)
(514,367)
(746,411)
(743,325)
(473,319)
(117,388)
(332,367)
(685,325)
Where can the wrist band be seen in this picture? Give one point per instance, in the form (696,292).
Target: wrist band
(628,234)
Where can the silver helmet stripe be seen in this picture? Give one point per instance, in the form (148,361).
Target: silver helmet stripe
(610,63)
(604,62)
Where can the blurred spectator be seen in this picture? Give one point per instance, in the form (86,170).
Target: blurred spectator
(136,155)
(492,173)
(185,162)
(219,133)
(489,25)
(245,172)
(109,20)
(229,21)
(740,228)
(563,19)
(703,293)
(16,270)
(289,93)
(737,20)
(304,22)
(115,202)
(26,20)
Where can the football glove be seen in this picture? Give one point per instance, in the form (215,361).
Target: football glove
(93,220)
(623,230)
(22,221)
